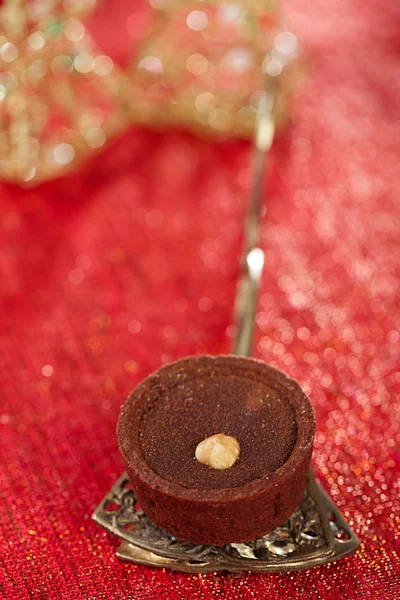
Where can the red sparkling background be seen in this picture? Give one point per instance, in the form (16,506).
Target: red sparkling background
(133,262)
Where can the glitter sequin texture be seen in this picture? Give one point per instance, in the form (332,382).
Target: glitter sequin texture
(133,263)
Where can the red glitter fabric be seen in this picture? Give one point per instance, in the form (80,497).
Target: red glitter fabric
(133,262)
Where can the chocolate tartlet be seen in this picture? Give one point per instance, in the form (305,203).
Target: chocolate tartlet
(167,416)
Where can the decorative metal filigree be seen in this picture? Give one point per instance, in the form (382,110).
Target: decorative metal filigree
(315,533)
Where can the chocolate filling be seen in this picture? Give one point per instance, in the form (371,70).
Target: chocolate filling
(177,418)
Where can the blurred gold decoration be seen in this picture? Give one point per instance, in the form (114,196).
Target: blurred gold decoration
(60,97)
(255,7)
(203,67)
(206,62)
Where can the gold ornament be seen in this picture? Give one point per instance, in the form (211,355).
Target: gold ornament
(205,65)
(255,7)
(60,97)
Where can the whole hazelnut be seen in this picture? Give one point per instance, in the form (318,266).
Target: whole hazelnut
(218,451)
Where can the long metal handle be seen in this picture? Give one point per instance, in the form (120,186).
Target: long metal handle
(253,257)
